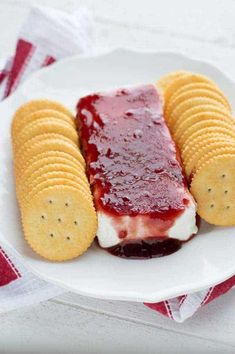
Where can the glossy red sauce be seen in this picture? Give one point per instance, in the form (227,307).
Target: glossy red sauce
(133,166)
(146,248)
(149,247)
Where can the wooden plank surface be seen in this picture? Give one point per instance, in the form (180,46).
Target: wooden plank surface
(215,322)
(59,328)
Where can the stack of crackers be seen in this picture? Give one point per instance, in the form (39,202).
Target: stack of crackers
(199,117)
(58,216)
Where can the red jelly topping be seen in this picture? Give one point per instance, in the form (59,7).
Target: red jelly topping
(132,163)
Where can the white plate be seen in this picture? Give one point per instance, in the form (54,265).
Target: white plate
(206,260)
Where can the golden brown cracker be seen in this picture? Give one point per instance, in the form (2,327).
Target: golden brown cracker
(26,191)
(59,223)
(199,117)
(227,149)
(202,140)
(165,81)
(207,123)
(213,189)
(34,106)
(42,143)
(43,161)
(199,143)
(188,104)
(210,130)
(183,80)
(208,108)
(37,116)
(53,171)
(45,126)
(202,86)
(175,102)
(28,145)
(194,161)
(59,181)
(51,154)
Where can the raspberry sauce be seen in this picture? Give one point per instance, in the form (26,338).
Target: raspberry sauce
(134,169)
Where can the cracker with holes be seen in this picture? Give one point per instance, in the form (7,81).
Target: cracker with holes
(200,154)
(50,172)
(54,195)
(56,181)
(213,188)
(229,149)
(199,117)
(59,223)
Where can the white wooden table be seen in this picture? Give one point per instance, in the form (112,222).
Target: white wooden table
(74,324)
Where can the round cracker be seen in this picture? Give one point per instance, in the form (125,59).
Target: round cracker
(230,149)
(214,190)
(185,79)
(193,163)
(45,125)
(207,123)
(200,143)
(53,171)
(34,106)
(165,81)
(46,142)
(199,117)
(37,164)
(175,102)
(211,108)
(50,148)
(201,86)
(57,168)
(188,104)
(27,146)
(34,184)
(200,140)
(63,229)
(210,130)
(60,181)
(38,115)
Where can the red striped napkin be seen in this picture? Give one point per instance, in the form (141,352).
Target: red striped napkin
(49,35)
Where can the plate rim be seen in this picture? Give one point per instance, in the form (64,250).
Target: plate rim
(117,50)
(152,297)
